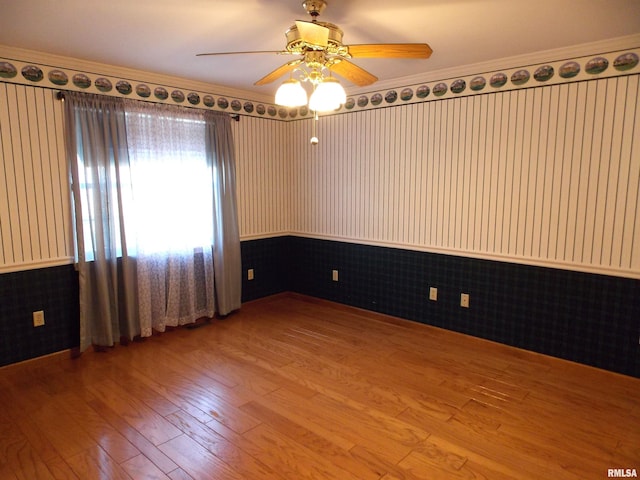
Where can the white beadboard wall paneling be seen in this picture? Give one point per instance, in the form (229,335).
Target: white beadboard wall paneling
(548,175)
(263,177)
(34,193)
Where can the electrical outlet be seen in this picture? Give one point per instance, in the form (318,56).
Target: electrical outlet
(334,275)
(464,300)
(433,294)
(250,274)
(38,318)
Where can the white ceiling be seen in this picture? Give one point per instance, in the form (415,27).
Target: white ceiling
(163,36)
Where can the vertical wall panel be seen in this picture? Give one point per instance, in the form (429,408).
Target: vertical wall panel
(263,177)
(466,152)
(487,227)
(556,149)
(627,232)
(594,170)
(34,216)
(606,174)
(507,142)
(574,233)
(471,155)
(548,118)
(6,171)
(633,202)
(546,175)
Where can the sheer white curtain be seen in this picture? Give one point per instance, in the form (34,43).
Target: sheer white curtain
(157,242)
(171,218)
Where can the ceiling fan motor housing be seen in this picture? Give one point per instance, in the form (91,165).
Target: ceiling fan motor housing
(297,45)
(314,7)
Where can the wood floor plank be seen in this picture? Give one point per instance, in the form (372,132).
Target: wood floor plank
(190,389)
(22,460)
(166,392)
(515,456)
(180,474)
(230,449)
(335,381)
(292,387)
(111,441)
(63,430)
(139,385)
(292,459)
(316,443)
(60,469)
(13,421)
(140,467)
(96,463)
(350,425)
(281,403)
(136,438)
(197,461)
(378,463)
(151,425)
(432,466)
(242,374)
(7,473)
(274,371)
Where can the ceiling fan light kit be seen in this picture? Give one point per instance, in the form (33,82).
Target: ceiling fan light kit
(321,51)
(327,96)
(291,94)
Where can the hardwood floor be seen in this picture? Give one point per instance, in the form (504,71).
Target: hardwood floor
(296,388)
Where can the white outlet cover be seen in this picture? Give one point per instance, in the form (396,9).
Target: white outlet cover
(38,318)
(433,294)
(464,300)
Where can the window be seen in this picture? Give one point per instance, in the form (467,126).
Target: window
(153,186)
(164,189)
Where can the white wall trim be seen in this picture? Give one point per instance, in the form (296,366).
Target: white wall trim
(262,236)
(52,262)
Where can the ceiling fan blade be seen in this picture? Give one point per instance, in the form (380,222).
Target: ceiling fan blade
(353,73)
(241,53)
(312,33)
(278,72)
(390,50)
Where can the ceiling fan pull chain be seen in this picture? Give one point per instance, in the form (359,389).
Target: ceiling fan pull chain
(314,139)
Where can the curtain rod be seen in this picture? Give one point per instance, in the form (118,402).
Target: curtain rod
(234,116)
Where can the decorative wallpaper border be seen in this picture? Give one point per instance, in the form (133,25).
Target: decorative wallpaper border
(617,63)
(622,62)
(34,74)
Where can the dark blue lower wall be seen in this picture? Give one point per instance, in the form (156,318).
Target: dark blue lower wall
(271,262)
(53,290)
(586,318)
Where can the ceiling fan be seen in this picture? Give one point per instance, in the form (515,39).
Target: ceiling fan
(319,46)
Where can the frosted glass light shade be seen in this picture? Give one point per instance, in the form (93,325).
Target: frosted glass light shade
(327,96)
(291,94)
